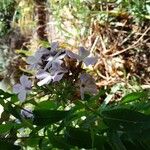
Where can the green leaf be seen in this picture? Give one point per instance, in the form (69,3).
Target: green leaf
(13,111)
(115,140)
(8,146)
(7,127)
(142,136)
(138,145)
(58,141)
(94,100)
(25,52)
(4,117)
(31,141)
(125,120)
(46,105)
(44,117)
(14,98)
(134,96)
(84,139)
(4,94)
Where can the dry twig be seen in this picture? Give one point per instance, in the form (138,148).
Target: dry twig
(132,46)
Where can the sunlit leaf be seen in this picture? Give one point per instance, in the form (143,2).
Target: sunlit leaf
(46,105)
(4,94)
(134,96)
(7,127)
(126,120)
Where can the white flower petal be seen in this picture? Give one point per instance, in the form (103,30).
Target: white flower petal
(46,80)
(59,62)
(42,74)
(52,60)
(61,56)
(58,77)
(17,88)
(48,65)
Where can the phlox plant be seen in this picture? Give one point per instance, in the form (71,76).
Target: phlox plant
(50,66)
(57,105)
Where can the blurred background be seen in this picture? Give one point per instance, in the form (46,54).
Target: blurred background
(118,30)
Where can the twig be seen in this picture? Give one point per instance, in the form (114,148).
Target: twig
(103,44)
(102,76)
(103,58)
(132,46)
(94,44)
(126,39)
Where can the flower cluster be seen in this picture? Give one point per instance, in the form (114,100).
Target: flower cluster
(50,66)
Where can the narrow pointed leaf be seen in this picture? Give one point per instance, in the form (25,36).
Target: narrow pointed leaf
(134,96)
(45,117)
(126,120)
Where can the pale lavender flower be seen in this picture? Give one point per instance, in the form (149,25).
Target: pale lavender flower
(35,60)
(56,59)
(87,85)
(42,51)
(26,113)
(84,56)
(23,88)
(52,76)
(44,77)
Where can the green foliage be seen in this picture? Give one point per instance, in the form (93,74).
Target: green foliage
(87,124)
(45,117)
(7,9)
(125,120)
(59,118)
(134,96)
(8,146)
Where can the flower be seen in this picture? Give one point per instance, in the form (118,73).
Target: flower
(44,76)
(35,60)
(23,88)
(54,75)
(84,56)
(26,113)
(87,85)
(56,59)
